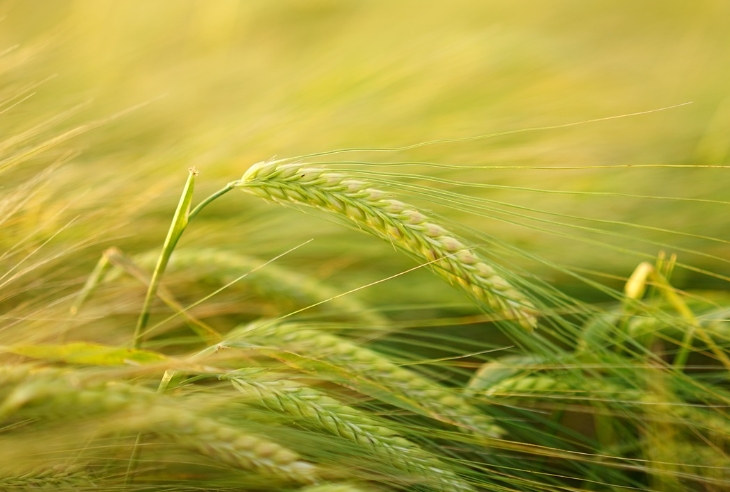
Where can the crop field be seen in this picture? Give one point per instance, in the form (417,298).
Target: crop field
(340,246)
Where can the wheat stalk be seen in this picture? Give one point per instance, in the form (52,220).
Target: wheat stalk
(537,385)
(597,390)
(530,385)
(272,280)
(227,444)
(52,392)
(48,478)
(491,373)
(367,363)
(318,410)
(371,210)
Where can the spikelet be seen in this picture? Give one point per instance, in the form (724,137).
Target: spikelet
(708,423)
(372,211)
(228,444)
(375,367)
(543,385)
(695,417)
(271,280)
(48,478)
(491,373)
(54,392)
(528,386)
(314,409)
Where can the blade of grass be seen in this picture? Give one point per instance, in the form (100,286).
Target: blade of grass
(179,222)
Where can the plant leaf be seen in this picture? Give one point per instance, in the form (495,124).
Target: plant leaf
(88,354)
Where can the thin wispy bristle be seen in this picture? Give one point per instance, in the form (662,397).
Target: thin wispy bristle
(375,212)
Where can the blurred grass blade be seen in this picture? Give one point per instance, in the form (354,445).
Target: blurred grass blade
(96,276)
(91,354)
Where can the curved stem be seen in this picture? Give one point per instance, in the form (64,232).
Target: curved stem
(212,197)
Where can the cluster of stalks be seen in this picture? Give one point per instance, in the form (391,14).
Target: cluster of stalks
(303,406)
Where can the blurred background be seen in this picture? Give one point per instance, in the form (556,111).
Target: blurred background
(106,104)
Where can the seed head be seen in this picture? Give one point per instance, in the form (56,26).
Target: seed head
(407,228)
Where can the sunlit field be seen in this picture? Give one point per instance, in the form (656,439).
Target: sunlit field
(338,246)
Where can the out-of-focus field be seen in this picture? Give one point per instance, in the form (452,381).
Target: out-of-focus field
(231,83)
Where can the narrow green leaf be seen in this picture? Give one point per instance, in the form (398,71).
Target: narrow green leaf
(179,222)
(88,354)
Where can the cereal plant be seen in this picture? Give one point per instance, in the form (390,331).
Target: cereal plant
(477,289)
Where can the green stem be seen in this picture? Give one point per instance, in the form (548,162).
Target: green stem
(212,197)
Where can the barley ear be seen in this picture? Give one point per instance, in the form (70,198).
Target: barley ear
(58,394)
(370,369)
(272,280)
(401,224)
(47,478)
(312,408)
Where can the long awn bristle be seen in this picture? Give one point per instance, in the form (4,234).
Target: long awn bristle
(314,409)
(373,211)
